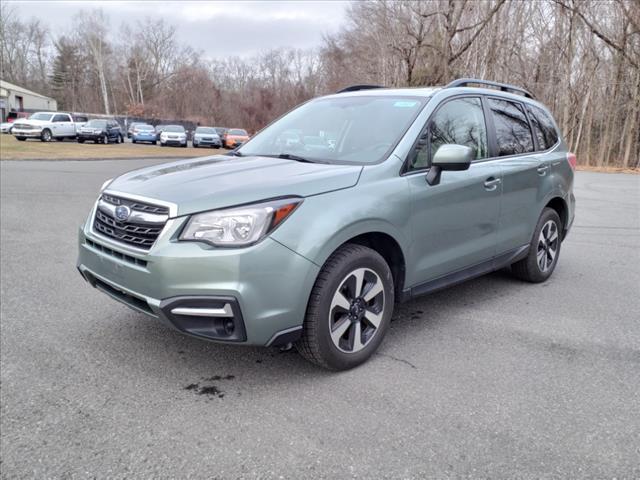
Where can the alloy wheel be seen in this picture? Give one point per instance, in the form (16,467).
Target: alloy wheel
(547,246)
(356,310)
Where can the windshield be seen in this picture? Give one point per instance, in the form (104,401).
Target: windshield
(173,128)
(41,116)
(97,123)
(208,130)
(141,126)
(358,129)
(237,131)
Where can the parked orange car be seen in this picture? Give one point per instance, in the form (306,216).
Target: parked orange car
(235,137)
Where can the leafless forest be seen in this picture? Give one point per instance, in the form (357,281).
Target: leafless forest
(579,57)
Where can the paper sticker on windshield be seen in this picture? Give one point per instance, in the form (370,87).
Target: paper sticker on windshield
(405,104)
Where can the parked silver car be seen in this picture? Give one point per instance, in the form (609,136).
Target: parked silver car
(206,137)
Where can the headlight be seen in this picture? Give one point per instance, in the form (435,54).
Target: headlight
(240,226)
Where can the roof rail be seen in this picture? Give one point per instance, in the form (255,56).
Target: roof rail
(465,82)
(355,88)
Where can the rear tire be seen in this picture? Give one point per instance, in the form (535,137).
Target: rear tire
(544,249)
(349,309)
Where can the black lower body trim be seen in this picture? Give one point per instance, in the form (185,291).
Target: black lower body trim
(496,263)
(284,337)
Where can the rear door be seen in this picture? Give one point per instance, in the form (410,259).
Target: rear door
(513,143)
(454,223)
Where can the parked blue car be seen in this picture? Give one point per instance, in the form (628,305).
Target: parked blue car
(144,133)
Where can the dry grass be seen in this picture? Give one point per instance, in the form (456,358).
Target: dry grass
(12,149)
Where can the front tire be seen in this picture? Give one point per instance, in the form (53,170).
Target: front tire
(544,249)
(21,139)
(349,309)
(45,136)
(105,139)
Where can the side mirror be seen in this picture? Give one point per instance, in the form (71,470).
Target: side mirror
(449,157)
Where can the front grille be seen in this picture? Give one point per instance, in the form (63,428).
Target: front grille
(138,233)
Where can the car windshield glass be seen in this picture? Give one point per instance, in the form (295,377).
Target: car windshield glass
(354,129)
(237,131)
(173,128)
(41,116)
(205,130)
(144,127)
(97,123)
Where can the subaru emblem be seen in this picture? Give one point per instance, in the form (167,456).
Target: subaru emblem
(122,212)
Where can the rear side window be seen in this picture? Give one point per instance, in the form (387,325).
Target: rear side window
(459,121)
(61,118)
(513,134)
(543,127)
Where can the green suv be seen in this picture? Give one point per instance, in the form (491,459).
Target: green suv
(310,232)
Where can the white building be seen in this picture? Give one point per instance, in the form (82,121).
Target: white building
(18,99)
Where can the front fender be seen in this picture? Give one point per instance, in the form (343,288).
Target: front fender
(324,222)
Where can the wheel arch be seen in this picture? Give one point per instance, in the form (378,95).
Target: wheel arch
(390,250)
(562,209)
(377,237)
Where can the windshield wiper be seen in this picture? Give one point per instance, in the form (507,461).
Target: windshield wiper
(297,158)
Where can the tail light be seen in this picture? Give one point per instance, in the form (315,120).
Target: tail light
(571,158)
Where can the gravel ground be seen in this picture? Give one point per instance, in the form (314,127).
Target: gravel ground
(494,378)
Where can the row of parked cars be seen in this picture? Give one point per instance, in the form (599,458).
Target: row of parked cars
(216,137)
(46,126)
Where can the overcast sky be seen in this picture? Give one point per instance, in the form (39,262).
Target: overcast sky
(220,28)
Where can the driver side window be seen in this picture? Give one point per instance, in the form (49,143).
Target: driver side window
(459,121)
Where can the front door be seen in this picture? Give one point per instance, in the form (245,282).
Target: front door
(454,223)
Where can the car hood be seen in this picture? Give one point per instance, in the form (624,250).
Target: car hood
(220,181)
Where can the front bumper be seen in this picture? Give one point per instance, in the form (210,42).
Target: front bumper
(90,136)
(208,143)
(264,287)
(144,138)
(26,133)
(173,141)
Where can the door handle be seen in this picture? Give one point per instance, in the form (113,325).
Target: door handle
(491,183)
(542,170)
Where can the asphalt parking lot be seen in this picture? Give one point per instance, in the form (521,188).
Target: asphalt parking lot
(494,378)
